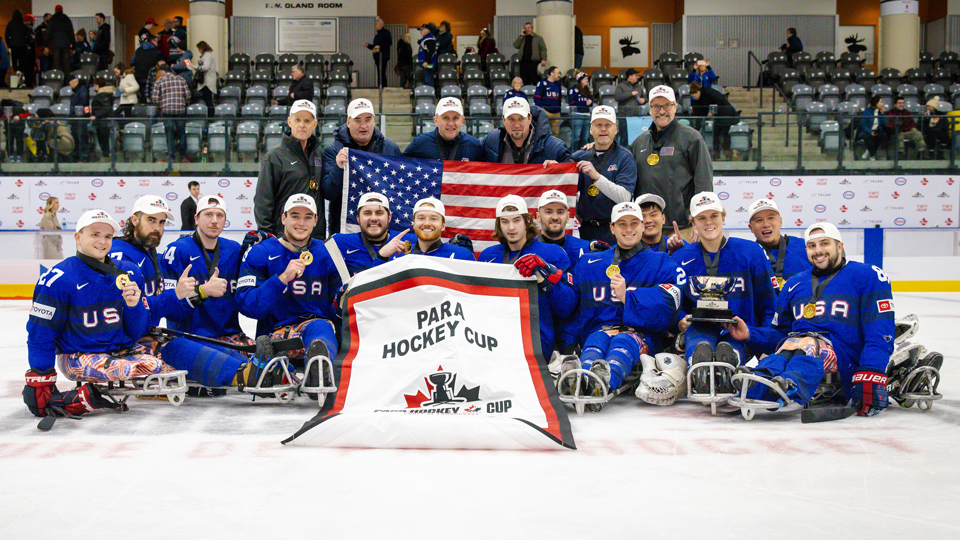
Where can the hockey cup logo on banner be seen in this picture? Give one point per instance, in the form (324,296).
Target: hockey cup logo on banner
(441,394)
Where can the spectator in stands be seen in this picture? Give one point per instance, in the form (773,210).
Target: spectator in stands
(525,137)
(446,142)
(581,101)
(16,128)
(427,55)
(4,64)
(629,94)
(61,40)
(533,53)
(19,37)
(405,61)
(936,127)
(444,39)
(42,46)
(724,115)
(872,126)
(702,74)
(302,87)
(900,119)
(172,95)
(792,46)
(577,47)
(101,46)
(188,208)
(547,97)
(80,46)
(163,38)
(208,66)
(179,53)
(128,87)
(359,133)
(381,51)
(486,45)
(147,31)
(152,77)
(144,59)
(101,110)
(179,30)
(92,35)
(608,176)
(80,108)
(52,243)
(515,90)
(290,168)
(51,137)
(672,160)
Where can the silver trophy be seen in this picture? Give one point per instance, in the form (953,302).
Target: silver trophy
(711,307)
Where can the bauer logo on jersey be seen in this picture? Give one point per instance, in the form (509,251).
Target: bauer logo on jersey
(42,311)
(247,281)
(883,306)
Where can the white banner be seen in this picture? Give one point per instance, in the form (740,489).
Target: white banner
(457,366)
(899,7)
(306,35)
(335,8)
(21,206)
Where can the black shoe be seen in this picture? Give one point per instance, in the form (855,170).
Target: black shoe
(317,348)
(703,352)
(725,353)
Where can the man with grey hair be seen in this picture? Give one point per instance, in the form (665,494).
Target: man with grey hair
(381,51)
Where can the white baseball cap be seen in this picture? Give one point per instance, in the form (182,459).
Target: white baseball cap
(449,104)
(152,204)
(703,201)
(516,105)
(663,91)
(373,198)
(211,201)
(827,230)
(603,112)
(552,196)
(512,200)
(300,200)
(303,105)
(97,216)
(358,107)
(650,198)
(760,205)
(437,206)
(625,209)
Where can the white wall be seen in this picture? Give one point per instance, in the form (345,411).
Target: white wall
(86,8)
(761,7)
(516,7)
(953,7)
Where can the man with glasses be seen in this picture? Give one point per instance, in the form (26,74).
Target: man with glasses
(672,160)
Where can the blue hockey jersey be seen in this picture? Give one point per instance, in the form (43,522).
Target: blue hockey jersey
(160,293)
(573,246)
(558,302)
(77,309)
(752,297)
(794,260)
(354,251)
(262,296)
(444,250)
(855,312)
(654,291)
(214,317)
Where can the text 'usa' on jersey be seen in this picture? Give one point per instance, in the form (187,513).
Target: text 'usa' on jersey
(262,296)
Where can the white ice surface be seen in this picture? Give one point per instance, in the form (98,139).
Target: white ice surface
(215,468)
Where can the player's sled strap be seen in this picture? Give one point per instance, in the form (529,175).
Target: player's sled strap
(171,385)
(914,375)
(268,375)
(585,389)
(744,380)
(318,379)
(708,380)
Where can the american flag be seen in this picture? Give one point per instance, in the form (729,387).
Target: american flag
(468,190)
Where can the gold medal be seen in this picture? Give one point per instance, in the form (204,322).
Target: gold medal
(306,257)
(314,185)
(612,270)
(780,282)
(122,281)
(809,311)
(407,246)
(593,190)
(653,159)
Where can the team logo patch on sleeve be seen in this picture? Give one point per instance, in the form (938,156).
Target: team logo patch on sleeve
(674,292)
(144,300)
(776,284)
(247,281)
(169,284)
(42,311)
(884,306)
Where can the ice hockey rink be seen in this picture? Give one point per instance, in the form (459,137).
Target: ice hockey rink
(215,468)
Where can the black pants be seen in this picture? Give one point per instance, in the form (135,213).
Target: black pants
(103,136)
(207,97)
(721,137)
(61,59)
(528,71)
(874,141)
(25,62)
(600,230)
(381,69)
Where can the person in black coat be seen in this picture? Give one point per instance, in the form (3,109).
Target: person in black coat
(405,61)
(381,50)
(792,46)
(725,114)
(302,87)
(61,41)
(101,46)
(444,39)
(19,39)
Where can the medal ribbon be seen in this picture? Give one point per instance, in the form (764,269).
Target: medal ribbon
(781,253)
(712,265)
(211,263)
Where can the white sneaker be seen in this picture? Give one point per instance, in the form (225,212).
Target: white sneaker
(866,155)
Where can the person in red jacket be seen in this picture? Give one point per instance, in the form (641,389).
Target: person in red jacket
(900,119)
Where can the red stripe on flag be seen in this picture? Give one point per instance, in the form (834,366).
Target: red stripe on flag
(474,190)
(507,169)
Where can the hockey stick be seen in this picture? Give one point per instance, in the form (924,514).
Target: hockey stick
(826,413)
(46,423)
(289,344)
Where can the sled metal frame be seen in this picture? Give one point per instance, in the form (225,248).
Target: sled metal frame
(171,385)
(748,407)
(325,371)
(283,392)
(713,398)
